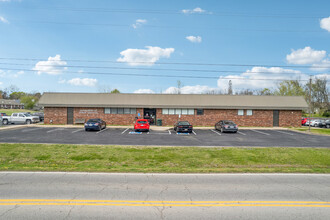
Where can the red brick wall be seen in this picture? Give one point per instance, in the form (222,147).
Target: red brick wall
(259,118)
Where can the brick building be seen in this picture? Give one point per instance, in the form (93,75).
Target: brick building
(199,110)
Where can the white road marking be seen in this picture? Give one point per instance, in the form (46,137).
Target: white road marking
(260,132)
(102,130)
(77,130)
(216,132)
(124,131)
(283,132)
(148,132)
(169,131)
(241,133)
(32,129)
(194,132)
(56,129)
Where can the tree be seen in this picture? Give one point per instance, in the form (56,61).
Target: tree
(115,91)
(16,95)
(290,88)
(230,88)
(265,91)
(29,101)
(179,86)
(320,94)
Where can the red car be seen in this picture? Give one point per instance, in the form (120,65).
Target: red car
(304,120)
(141,125)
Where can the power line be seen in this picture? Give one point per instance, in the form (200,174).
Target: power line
(173,63)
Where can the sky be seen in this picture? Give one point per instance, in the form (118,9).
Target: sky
(147,46)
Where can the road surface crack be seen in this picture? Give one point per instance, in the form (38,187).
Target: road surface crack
(9,210)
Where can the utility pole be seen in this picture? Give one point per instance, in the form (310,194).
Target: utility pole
(310,102)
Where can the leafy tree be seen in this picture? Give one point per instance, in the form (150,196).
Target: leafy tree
(16,95)
(265,91)
(290,88)
(29,101)
(115,91)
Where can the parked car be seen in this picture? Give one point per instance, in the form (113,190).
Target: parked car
(326,124)
(316,122)
(20,118)
(225,125)
(3,114)
(95,124)
(40,115)
(304,121)
(141,125)
(183,126)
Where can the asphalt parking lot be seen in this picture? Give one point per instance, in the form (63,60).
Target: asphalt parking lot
(127,136)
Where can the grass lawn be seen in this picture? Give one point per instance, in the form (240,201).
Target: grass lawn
(10,111)
(325,131)
(96,158)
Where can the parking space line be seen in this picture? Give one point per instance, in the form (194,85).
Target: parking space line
(124,131)
(284,132)
(56,129)
(169,131)
(260,132)
(77,130)
(102,130)
(216,132)
(241,133)
(31,129)
(194,132)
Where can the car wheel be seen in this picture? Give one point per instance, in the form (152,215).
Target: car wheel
(86,129)
(28,122)
(5,121)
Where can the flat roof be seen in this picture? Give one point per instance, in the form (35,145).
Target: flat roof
(204,101)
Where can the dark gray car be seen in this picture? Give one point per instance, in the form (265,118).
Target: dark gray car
(226,126)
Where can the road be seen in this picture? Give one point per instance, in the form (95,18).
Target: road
(200,137)
(39,195)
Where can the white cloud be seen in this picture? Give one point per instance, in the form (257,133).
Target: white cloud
(144,91)
(193,11)
(252,79)
(306,56)
(19,73)
(325,24)
(53,66)
(322,66)
(194,39)
(197,89)
(4,20)
(144,57)
(82,82)
(139,23)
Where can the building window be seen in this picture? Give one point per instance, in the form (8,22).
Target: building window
(249,112)
(191,111)
(127,111)
(240,112)
(178,111)
(165,111)
(185,111)
(119,110)
(171,111)
(106,110)
(200,111)
(133,111)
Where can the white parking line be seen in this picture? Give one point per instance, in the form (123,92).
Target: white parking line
(56,129)
(216,132)
(102,130)
(194,132)
(284,132)
(31,129)
(241,133)
(169,131)
(124,131)
(77,130)
(260,132)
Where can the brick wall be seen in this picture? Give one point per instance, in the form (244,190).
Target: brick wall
(259,118)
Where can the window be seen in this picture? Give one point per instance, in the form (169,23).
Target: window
(240,112)
(133,110)
(114,111)
(171,111)
(127,111)
(249,112)
(107,111)
(200,111)
(185,111)
(165,111)
(120,111)
(178,111)
(191,111)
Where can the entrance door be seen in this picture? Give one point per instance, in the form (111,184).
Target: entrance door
(276,118)
(70,116)
(150,114)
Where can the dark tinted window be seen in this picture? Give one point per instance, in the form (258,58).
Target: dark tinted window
(142,122)
(229,123)
(200,111)
(183,123)
(92,120)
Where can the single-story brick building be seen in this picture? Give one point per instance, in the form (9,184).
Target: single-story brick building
(199,110)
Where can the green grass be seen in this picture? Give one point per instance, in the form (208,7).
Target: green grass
(306,115)
(95,158)
(325,131)
(10,111)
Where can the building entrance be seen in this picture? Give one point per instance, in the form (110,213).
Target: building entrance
(150,114)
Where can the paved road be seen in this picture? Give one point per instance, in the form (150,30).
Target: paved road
(200,137)
(163,196)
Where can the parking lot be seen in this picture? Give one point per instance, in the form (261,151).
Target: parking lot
(199,137)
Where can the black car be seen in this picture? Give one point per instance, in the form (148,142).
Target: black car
(95,124)
(326,124)
(225,125)
(40,114)
(183,126)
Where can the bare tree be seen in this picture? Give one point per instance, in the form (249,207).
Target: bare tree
(230,88)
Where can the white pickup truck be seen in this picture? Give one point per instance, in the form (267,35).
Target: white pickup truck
(20,118)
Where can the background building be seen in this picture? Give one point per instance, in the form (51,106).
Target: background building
(199,110)
(11,104)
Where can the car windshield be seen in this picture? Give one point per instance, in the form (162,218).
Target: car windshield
(27,115)
(142,122)
(92,121)
(228,122)
(183,123)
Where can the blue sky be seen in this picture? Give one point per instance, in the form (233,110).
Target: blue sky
(54,44)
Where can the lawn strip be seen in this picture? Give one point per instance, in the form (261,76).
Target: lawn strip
(323,131)
(100,158)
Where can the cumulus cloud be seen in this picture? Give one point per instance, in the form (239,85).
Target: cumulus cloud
(325,24)
(149,91)
(322,66)
(53,66)
(306,56)
(83,82)
(193,11)
(194,39)
(252,79)
(144,57)
(3,20)
(197,89)
(139,23)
